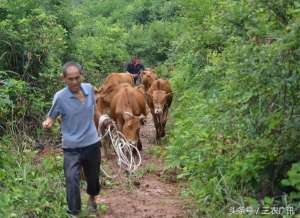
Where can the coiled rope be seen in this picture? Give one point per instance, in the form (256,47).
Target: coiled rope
(128,155)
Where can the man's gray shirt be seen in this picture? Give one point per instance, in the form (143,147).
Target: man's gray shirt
(78,128)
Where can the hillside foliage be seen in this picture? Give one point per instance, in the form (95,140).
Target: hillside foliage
(234,127)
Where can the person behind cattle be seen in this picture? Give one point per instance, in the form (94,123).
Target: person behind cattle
(75,104)
(135,67)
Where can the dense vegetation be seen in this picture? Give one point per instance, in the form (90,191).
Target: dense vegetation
(234,66)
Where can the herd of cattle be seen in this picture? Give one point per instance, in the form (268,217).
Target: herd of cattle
(127,104)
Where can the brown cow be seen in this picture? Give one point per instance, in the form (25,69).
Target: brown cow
(118,78)
(159,98)
(108,89)
(148,76)
(128,109)
(103,99)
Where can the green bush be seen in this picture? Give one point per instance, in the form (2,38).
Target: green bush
(30,187)
(234,68)
(236,129)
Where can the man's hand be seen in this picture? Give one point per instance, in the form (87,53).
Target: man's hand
(47,124)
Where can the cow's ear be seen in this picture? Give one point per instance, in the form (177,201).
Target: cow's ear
(127,115)
(169,98)
(96,90)
(170,94)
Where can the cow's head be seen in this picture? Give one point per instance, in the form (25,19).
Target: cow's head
(148,77)
(160,101)
(131,127)
(101,106)
(104,96)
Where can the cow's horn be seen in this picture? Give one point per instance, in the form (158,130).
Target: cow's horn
(128,113)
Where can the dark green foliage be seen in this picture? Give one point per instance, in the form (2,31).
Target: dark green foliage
(30,187)
(237,120)
(30,38)
(234,67)
(100,46)
(32,44)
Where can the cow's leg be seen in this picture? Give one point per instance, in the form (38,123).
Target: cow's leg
(105,146)
(109,148)
(156,124)
(160,119)
(120,123)
(163,133)
(139,145)
(163,123)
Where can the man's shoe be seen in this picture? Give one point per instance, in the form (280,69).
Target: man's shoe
(92,206)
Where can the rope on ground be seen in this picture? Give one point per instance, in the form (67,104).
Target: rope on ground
(128,155)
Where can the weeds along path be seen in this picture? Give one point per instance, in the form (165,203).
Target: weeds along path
(149,193)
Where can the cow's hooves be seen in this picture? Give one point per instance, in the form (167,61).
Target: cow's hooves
(135,153)
(158,141)
(140,148)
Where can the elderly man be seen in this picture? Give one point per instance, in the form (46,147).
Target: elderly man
(75,103)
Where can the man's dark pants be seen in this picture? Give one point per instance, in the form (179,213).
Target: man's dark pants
(89,159)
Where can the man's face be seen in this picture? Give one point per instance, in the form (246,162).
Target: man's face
(73,78)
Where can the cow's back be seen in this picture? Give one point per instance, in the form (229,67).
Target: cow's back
(118,78)
(112,83)
(160,84)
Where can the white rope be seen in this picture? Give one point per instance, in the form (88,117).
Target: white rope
(123,149)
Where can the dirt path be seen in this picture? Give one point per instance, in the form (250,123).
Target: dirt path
(149,193)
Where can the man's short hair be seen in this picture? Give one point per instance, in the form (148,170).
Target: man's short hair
(71,63)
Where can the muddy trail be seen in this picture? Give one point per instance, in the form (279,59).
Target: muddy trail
(150,193)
